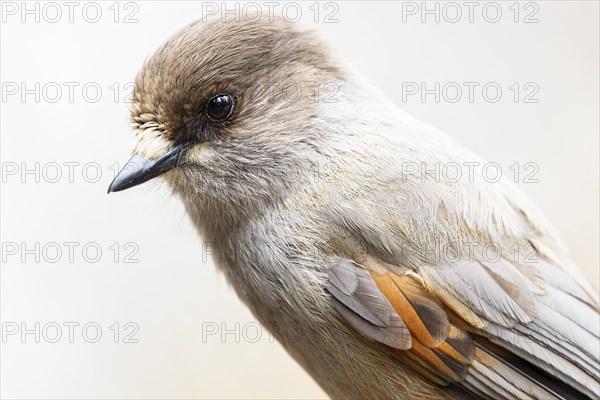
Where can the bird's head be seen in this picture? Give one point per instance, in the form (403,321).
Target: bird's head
(226,111)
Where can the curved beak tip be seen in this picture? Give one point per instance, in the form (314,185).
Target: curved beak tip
(139,170)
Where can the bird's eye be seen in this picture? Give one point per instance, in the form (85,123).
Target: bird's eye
(220,107)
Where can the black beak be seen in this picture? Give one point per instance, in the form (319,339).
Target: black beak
(138,170)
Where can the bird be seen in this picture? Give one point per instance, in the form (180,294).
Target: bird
(320,197)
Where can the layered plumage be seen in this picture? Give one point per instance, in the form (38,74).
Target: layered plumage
(433,332)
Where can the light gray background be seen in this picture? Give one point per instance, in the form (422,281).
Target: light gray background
(171,292)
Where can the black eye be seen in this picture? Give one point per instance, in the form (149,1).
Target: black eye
(220,107)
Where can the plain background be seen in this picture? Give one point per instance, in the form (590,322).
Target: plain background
(172,292)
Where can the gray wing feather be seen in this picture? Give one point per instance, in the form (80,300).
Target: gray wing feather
(555,327)
(363,306)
